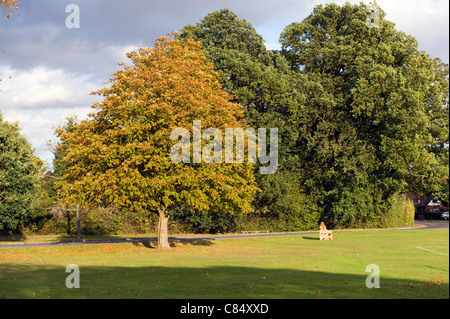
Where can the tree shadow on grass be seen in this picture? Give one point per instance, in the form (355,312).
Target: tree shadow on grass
(94,238)
(311,238)
(21,281)
(148,242)
(152,244)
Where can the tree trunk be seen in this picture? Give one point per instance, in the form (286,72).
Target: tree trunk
(78,222)
(163,231)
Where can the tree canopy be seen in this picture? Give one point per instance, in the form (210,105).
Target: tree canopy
(19,177)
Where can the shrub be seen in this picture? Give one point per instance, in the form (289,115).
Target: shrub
(399,212)
(206,222)
(283,206)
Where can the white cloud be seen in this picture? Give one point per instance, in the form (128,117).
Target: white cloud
(38,125)
(41,99)
(41,87)
(426,20)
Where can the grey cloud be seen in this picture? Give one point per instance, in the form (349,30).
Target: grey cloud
(39,36)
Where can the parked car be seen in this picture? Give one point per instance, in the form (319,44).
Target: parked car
(444,215)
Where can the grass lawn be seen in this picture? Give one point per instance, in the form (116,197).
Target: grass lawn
(297,266)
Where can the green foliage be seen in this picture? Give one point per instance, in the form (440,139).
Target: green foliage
(398,212)
(283,206)
(19,178)
(208,222)
(101,222)
(259,79)
(60,149)
(39,212)
(52,225)
(377,121)
(94,221)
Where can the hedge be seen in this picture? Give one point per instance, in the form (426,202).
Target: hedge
(397,212)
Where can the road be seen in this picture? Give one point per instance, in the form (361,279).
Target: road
(433,224)
(417,225)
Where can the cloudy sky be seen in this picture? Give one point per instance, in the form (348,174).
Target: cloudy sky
(53,69)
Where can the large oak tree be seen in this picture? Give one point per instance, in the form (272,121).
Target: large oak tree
(380,126)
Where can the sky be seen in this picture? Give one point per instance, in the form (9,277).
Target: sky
(50,70)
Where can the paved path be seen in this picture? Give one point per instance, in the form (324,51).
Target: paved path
(417,225)
(438,224)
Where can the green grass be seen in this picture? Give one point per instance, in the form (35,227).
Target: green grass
(298,266)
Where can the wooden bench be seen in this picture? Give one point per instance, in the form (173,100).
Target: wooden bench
(325,234)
